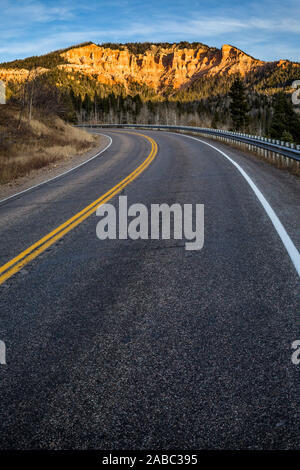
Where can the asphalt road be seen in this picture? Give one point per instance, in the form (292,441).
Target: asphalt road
(123,344)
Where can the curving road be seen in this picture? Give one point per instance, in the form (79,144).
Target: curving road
(123,344)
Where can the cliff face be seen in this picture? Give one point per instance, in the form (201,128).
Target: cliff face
(160,67)
(20,75)
(15,75)
(157,67)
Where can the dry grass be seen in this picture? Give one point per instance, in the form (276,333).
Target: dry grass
(42,142)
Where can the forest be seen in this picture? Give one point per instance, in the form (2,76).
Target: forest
(81,98)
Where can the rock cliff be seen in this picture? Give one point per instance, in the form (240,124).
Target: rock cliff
(159,66)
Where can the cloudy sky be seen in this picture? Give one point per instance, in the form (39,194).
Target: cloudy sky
(266,29)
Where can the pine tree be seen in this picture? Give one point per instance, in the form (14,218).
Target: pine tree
(87,104)
(239,107)
(215,120)
(138,104)
(287,137)
(284,119)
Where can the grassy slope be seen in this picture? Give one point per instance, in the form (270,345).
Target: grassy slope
(45,140)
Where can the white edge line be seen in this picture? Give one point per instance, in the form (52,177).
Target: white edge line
(61,174)
(285,238)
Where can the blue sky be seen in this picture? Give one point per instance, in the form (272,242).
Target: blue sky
(269,30)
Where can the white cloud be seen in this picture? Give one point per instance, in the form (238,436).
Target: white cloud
(34,11)
(254,34)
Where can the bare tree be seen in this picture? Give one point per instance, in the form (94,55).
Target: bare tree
(27,95)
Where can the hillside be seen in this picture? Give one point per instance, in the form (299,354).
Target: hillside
(28,146)
(183,83)
(164,69)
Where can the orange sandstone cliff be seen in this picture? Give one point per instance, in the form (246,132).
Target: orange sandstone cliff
(158,67)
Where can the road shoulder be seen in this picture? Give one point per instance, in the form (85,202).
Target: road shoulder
(41,175)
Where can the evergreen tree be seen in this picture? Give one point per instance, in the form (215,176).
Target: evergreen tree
(287,137)
(284,120)
(239,107)
(138,104)
(215,120)
(87,104)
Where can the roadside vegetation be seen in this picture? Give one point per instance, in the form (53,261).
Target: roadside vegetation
(35,127)
(29,145)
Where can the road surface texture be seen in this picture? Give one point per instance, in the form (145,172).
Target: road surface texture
(123,344)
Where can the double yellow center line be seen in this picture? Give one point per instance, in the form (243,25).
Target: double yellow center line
(16,264)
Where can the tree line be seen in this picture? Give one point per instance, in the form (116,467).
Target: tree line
(79,98)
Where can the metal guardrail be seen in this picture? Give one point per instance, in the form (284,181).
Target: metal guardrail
(282,148)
